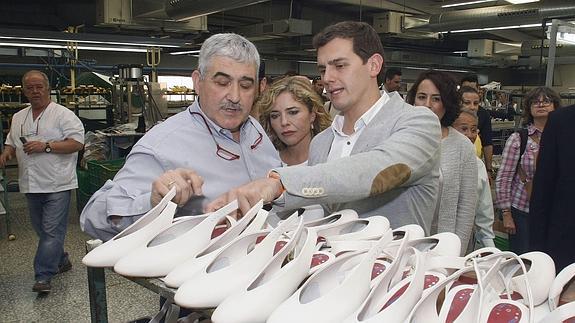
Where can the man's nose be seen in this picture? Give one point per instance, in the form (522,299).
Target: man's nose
(234,93)
(327,76)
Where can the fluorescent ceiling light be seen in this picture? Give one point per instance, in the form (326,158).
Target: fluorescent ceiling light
(490,28)
(54,46)
(435,69)
(197,51)
(521,1)
(88,41)
(460,52)
(467,3)
(566,38)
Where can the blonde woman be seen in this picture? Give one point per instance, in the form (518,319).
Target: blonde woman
(292,113)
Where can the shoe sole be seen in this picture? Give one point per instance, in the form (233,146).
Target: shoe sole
(43,290)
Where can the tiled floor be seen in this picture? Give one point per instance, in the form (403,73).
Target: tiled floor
(68,301)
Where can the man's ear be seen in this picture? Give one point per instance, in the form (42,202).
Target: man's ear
(196,75)
(375,64)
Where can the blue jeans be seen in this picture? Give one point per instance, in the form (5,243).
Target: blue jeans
(49,217)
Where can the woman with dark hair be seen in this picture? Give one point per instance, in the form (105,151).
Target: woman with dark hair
(292,113)
(458,197)
(514,179)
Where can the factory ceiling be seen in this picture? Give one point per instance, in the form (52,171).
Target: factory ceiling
(283,29)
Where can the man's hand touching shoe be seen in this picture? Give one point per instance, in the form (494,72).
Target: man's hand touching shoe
(267,189)
(187,182)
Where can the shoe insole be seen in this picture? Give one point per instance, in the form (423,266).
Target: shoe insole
(430,280)
(395,296)
(458,303)
(514,296)
(318,259)
(378,269)
(219,230)
(504,313)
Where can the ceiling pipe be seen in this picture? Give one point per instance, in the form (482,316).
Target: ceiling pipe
(499,16)
(181,10)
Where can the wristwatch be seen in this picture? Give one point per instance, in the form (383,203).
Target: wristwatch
(48,149)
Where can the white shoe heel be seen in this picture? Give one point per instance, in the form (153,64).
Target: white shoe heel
(251,222)
(232,268)
(276,282)
(136,235)
(176,244)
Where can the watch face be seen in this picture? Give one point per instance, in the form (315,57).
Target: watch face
(48,148)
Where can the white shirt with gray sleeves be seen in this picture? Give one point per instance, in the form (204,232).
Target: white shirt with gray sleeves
(393,169)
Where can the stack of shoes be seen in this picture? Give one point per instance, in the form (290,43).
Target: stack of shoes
(340,268)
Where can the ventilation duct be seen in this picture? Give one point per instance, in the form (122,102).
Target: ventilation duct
(280,28)
(499,16)
(142,15)
(187,9)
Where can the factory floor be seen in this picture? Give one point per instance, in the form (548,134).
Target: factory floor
(68,300)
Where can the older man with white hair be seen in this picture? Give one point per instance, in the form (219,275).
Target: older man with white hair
(45,138)
(204,151)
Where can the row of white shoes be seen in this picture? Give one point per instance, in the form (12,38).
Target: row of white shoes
(335,269)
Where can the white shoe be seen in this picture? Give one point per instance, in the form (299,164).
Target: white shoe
(335,291)
(372,228)
(462,302)
(134,236)
(394,304)
(564,313)
(232,268)
(176,244)
(254,220)
(276,282)
(455,303)
(393,261)
(329,221)
(559,283)
(414,231)
(497,281)
(540,275)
